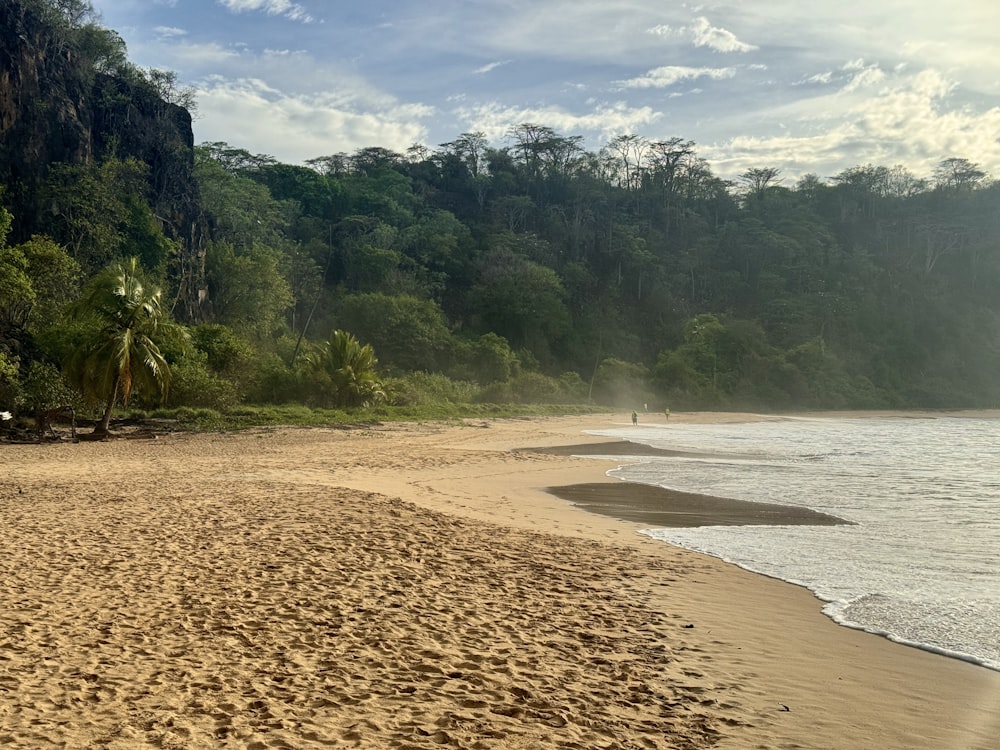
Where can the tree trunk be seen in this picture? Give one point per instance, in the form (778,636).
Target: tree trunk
(102,428)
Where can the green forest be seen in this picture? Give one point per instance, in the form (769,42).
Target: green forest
(174,276)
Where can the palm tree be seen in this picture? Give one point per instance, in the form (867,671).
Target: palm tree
(346,369)
(120,356)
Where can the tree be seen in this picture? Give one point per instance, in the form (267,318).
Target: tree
(958,174)
(16,293)
(470,148)
(625,155)
(620,383)
(487,359)
(242,210)
(121,355)
(54,277)
(248,290)
(9,386)
(757,180)
(521,300)
(669,163)
(410,333)
(344,370)
(71,13)
(43,393)
(164,85)
(94,209)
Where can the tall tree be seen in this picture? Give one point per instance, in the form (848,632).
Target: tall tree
(958,174)
(121,355)
(757,180)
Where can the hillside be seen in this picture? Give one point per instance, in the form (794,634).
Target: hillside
(534,270)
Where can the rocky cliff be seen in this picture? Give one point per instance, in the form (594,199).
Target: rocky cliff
(44,102)
(55,108)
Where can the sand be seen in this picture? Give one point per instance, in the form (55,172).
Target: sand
(414,586)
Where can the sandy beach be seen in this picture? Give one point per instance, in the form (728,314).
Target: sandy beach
(417,586)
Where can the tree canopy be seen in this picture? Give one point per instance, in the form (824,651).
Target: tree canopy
(631,268)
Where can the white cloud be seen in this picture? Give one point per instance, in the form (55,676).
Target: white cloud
(608,120)
(170,32)
(668,75)
(866,78)
(664,30)
(491,66)
(721,40)
(825,77)
(285,8)
(185,56)
(906,123)
(703,34)
(251,114)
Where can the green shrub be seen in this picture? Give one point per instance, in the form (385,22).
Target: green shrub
(226,353)
(43,388)
(194,384)
(487,359)
(274,382)
(532,388)
(423,389)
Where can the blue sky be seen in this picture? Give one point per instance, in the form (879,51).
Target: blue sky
(811,87)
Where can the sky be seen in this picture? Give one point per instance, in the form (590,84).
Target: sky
(804,87)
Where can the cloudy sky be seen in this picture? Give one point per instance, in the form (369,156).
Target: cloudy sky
(805,87)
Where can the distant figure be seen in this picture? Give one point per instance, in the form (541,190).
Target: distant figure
(635,418)
(645,408)
(666,413)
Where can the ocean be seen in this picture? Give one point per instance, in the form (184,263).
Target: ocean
(920,565)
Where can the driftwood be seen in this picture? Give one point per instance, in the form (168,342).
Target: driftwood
(45,417)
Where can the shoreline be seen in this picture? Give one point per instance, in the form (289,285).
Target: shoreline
(652,505)
(416,585)
(655,506)
(649,505)
(863,689)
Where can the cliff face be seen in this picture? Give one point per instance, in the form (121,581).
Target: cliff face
(44,105)
(132,121)
(54,109)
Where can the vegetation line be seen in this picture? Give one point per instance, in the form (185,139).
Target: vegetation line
(459,277)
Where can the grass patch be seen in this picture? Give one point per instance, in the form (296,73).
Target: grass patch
(242,417)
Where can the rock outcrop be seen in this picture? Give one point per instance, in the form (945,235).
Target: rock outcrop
(55,108)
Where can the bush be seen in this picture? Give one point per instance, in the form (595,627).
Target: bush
(533,388)
(487,359)
(226,353)
(273,382)
(9,387)
(193,384)
(422,389)
(43,388)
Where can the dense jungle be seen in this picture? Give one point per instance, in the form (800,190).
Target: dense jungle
(140,270)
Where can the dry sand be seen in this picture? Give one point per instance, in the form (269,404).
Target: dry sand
(414,586)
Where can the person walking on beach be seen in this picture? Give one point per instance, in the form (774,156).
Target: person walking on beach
(635,418)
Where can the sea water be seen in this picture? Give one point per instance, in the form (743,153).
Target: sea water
(920,562)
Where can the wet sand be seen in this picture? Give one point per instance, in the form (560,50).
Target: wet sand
(658,506)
